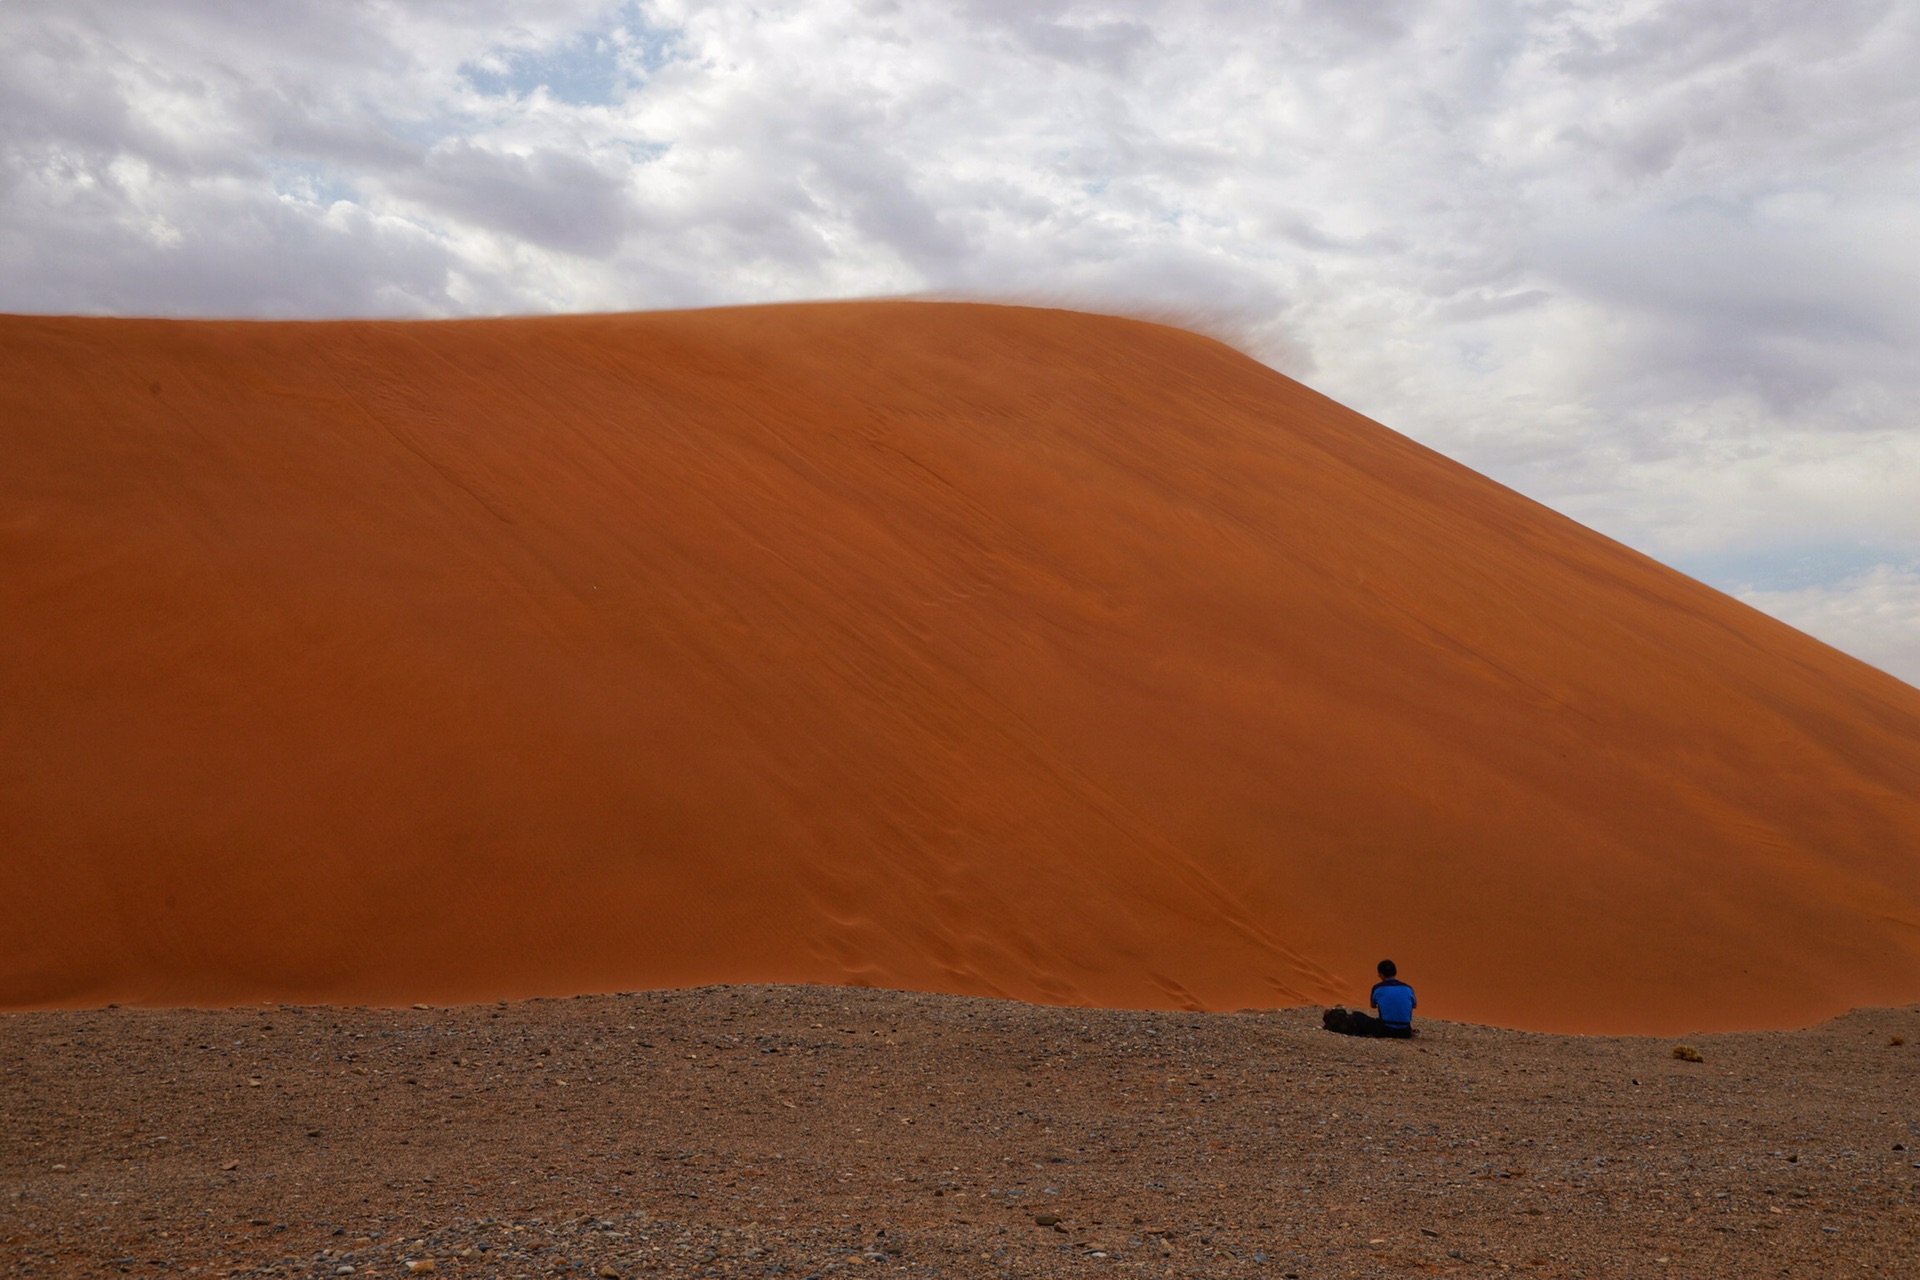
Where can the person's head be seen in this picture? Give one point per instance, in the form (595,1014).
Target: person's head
(1388,969)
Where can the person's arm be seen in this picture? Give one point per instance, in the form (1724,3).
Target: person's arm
(1373,997)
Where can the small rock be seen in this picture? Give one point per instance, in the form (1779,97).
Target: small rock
(1046,1220)
(230,1166)
(344,1269)
(423,1006)
(421,1264)
(1429,1231)
(606,1272)
(253,1082)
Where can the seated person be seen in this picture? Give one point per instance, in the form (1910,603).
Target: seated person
(1393,998)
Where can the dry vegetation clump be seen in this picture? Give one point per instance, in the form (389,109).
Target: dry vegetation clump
(1894,1042)
(1687,1053)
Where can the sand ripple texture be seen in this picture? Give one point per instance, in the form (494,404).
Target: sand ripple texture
(988,650)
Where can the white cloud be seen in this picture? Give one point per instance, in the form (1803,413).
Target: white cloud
(1650,263)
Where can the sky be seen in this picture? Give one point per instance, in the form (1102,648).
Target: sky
(1654,265)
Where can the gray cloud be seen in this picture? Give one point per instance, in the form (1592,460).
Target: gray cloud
(1648,263)
(555,199)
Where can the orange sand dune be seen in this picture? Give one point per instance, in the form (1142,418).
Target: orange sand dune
(966,648)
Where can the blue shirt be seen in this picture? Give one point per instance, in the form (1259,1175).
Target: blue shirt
(1395,1001)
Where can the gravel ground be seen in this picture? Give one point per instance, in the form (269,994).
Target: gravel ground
(802,1131)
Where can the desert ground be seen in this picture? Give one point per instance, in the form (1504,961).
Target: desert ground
(808,1131)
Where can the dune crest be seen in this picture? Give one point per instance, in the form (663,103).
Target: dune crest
(975,649)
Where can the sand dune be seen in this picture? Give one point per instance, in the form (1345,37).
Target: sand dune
(970,649)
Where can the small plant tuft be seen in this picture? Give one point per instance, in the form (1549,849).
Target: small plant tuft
(1894,1042)
(1687,1053)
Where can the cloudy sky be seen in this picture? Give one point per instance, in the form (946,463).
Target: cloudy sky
(1657,265)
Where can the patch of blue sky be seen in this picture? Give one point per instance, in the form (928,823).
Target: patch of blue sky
(642,152)
(647,48)
(308,183)
(593,68)
(1792,568)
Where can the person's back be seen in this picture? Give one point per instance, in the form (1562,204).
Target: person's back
(1395,1001)
(1393,998)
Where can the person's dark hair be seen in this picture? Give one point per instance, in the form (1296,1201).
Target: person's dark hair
(1388,969)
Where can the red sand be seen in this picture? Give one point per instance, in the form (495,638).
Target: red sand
(971,649)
